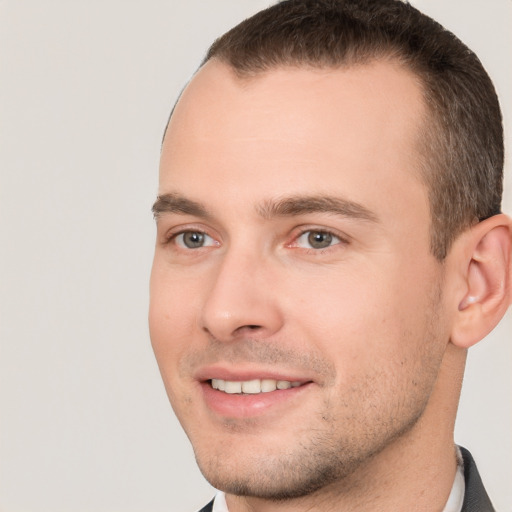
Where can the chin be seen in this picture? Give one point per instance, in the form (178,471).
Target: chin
(281,475)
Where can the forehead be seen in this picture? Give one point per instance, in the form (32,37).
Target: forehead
(382,83)
(289,129)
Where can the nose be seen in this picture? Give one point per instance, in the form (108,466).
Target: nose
(241,300)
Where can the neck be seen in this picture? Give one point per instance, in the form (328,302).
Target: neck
(414,472)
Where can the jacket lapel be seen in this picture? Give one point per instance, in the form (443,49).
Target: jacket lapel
(475,496)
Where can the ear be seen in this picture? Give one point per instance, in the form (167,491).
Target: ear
(486,271)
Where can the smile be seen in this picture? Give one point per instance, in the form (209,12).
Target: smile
(252,387)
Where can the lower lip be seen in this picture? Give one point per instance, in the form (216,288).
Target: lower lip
(247,406)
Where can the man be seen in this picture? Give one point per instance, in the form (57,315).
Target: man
(329,245)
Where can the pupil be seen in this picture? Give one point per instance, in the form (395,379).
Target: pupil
(319,240)
(193,240)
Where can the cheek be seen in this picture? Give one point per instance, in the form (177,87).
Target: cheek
(172,319)
(341,309)
(366,319)
(170,332)
(385,345)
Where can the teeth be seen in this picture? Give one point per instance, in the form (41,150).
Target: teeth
(252,387)
(233,387)
(268,385)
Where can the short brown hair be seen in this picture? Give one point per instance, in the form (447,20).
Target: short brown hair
(462,144)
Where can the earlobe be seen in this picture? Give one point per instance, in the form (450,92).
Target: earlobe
(487,275)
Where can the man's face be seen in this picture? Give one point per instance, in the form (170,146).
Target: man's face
(292,270)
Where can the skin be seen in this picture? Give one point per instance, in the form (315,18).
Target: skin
(364,323)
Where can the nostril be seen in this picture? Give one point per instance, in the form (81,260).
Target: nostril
(248,327)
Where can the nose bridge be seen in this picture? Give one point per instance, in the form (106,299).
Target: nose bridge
(240,297)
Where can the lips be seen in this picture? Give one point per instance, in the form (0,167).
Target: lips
(237,393)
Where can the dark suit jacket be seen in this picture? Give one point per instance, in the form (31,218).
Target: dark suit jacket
(475,498)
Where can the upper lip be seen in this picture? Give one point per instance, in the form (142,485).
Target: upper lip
(239,374)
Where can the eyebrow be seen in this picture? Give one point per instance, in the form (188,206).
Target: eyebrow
(176,203)
(285,207)
(300,205)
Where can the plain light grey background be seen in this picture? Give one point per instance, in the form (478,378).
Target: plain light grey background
(85,91)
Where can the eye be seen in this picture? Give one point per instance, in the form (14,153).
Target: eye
(316,239)
(193,240)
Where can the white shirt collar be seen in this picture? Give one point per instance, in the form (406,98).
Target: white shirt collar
(219,504)
(456,498)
